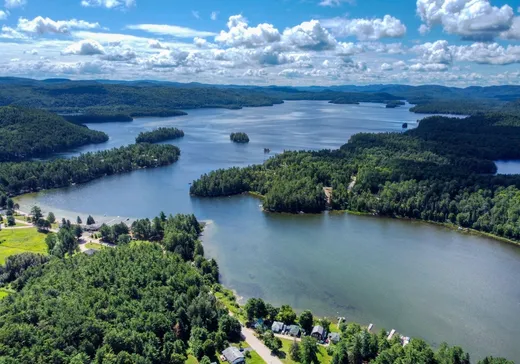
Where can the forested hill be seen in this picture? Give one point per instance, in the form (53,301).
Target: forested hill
(89,97)
(27,133)
(443,171)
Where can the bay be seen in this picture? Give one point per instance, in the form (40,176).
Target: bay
(423,280)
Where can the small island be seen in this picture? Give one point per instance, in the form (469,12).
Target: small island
(394,103)
(159,135)
(239,137)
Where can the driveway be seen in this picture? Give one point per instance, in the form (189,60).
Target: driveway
(259,347)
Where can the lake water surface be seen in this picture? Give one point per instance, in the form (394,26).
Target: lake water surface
(420,279)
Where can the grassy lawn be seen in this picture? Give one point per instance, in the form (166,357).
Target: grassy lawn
(284,356)
(94,246)
(228,299)
(18,241)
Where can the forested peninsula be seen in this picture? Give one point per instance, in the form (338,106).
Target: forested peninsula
(28,133)
(31,176)
(443,171)
(159,135)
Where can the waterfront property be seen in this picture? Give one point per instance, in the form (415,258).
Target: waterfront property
(233,355)
(318,332)
(334,337)
(293,330)
(277,327)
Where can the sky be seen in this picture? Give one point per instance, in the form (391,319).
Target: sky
(264,42)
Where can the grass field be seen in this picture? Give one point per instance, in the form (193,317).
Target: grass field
(18,241)
(94,246)
(284,356)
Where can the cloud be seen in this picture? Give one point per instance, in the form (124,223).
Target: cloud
(120,55)
(166,59)
(40,25)
(487,53)
(195,14)
(514,32)
(109,4)
(155,44)
(310,36)
(10,4)
(470,19)
(366,29)
(3,14)
(172,30)
(436,52)
(333,3)
(433,67)
(86,47)
(214,15)
(10,33)
(240,34)
(32,52)
(348,49)
(386,67)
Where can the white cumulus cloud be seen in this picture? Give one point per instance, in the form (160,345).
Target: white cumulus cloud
(86,47)
(470,19)
(155,44)
(366,29)
(333,3)
(40,25)
(3,15)
(309,35)
(214,15)
(240,34)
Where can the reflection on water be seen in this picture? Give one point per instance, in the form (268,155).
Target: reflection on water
(419,279)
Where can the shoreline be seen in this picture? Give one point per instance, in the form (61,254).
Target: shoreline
(446,225)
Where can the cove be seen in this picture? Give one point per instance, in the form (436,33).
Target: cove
(420,279)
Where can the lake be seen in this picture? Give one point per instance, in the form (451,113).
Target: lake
(422,280)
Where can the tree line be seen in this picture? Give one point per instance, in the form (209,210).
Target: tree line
(443,171)
(28,133)
(159,135)
(17,178)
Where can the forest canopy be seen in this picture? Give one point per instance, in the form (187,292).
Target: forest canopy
(159,135)
(17,178)
(442,171)
(28,133)
(239,137)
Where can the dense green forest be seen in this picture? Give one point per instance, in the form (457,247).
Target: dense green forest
(394,104)
(27,133)
(94,100)
(159,135)
(239,137)
(443,171)
(17,178)
(133,304)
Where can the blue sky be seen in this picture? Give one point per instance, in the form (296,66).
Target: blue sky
(284,42)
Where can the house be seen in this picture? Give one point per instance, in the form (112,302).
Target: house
(277,327)
(234,355)
(334,337)
(318,332)
(293,330)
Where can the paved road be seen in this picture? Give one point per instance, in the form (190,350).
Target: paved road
(259,347)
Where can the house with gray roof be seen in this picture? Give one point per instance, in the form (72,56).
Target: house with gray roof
(277,327)
(294,330)
(234,355)
(318,332)
(334,337)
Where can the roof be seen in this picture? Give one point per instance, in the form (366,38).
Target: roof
(277,326)
(318,330)
(90,251)
(232,354)
(294,329)
(334,336)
